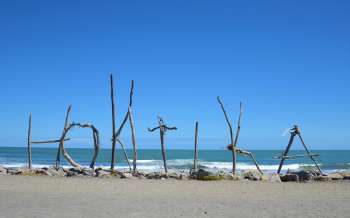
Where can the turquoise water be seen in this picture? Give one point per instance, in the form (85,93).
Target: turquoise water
(330,160)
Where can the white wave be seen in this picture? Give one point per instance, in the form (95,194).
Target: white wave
(155,165)
(244,166)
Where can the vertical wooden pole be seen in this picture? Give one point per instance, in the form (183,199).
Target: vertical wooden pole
(195,148)
(131,119)
(161,131)
(113,122)
(286,151)
(29,142)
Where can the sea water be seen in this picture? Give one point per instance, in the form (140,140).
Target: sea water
(219,160)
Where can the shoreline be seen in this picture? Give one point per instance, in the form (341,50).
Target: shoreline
(201,174)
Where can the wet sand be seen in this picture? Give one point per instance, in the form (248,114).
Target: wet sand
(25,196)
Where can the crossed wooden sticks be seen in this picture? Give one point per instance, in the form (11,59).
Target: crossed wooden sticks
(162,130)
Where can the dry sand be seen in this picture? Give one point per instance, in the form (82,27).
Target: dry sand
(22,196)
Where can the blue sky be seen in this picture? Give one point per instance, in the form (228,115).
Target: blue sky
(287,61)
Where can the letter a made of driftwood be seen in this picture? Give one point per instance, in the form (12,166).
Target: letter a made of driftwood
(67,128)
(233,145)
(295,131)
(162,130)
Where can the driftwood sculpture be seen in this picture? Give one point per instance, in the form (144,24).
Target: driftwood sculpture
(30,142)
(233,145)
(162,130)
(295,131)
(67,128)
(116,134)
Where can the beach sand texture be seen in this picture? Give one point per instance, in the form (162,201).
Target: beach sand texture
(25,196)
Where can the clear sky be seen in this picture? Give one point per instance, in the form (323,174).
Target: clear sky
(287,61)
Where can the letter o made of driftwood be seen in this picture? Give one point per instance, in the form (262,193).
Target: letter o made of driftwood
(96,138)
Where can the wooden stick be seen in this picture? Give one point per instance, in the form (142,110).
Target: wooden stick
(239,123)
(64,129)
(291,139)
(161,128)
(49,141)
(113,122)
(295,156)
(231,136)
(251,156)
(309,154)
(131,119)
(195,148)
(125,154)
(29,141)
(63,150)
(127,113)
(96,137)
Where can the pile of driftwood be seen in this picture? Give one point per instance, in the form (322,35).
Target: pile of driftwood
(163,128)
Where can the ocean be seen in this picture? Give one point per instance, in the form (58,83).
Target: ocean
(151,160)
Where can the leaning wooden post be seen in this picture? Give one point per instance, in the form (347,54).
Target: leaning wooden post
(131,119)
(285,153)
(239,124)
(113,122)
(231,136)
(64,130)
(309,154)
(195,149)
(29,142)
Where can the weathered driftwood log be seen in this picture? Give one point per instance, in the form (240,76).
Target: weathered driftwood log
(29,142)
(246,153)
(96,143)
(133,137)
(66,120)
(162,132)
(231,136)
(249,154)
(113,123)
(291,139)
(162,129)
(49,141)
(96,137)
(124,151)
(239,124)
(195,159)
(119,131)
(296,156)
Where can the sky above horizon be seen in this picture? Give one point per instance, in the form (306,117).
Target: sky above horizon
(287,61)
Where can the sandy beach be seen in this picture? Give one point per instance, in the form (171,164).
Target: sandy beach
(26,196)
